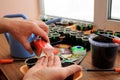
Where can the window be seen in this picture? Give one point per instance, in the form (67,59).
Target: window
(73,9)
(115,9)
(93,10)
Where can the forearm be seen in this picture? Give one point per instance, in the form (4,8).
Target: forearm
(4,25)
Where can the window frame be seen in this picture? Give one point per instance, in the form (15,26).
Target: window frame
(101,16)
(109,8)
(110,11)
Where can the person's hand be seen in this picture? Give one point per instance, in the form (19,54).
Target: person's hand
(50,69)
(21,30)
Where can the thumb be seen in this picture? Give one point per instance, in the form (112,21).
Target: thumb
(27,45)
(71,70)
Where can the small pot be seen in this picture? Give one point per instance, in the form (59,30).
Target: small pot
(31,62)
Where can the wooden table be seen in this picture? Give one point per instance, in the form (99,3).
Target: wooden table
(12,71)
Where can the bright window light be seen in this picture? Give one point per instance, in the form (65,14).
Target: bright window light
(74,9)
(115,11)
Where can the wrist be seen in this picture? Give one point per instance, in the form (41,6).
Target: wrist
(32,78)
(4,25)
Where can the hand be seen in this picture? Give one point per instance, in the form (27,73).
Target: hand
(22,29)
(50,69)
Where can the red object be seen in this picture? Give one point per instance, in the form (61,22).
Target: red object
(3,61)
(116,40)
(117,69)
(56,51)
(38,45)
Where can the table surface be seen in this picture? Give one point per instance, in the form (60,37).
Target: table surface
(12,71)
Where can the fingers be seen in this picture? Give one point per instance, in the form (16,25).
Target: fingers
(57,61)
(39,62)
(45,61)
(42,33)
(50,61)
(26,44)
(54,61)
(43,26)
(71,70)
(42,30)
